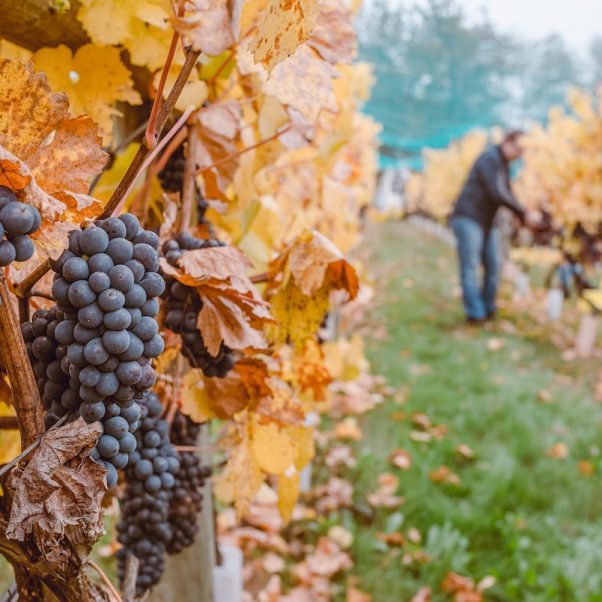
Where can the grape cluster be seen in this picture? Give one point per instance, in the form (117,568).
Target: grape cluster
(106,286)
(46,356)
(183,305)
(187,498)
(17,221)
(144,530)
(172,175)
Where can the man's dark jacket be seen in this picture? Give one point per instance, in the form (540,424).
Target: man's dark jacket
(486,189)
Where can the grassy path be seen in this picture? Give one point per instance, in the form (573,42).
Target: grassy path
(532,521)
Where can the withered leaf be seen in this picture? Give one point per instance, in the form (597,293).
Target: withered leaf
(282,28)
(207,28)
(334,37)
(220,263)
(61,486)
(226,396)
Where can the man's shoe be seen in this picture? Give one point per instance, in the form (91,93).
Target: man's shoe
(491,316)
(475,321)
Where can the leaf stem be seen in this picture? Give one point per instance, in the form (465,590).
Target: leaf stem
(151,135)
(244,150)
(138,161)
(189,186)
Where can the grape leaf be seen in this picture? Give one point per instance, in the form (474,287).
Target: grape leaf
(61,486)
(93,77)
(271,445)
(283,26)
(288,494)
(334,37)
(207,28)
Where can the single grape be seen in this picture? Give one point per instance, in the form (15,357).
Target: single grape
(17,218)
(129,372)
(90,316)
(99,282)
(8,253)
(108,446)
(84,335)
(6,196)
(89,376)
(137,269)
(120,250)
(92,412)
(119,461)
(135,349)
(150,308)
(100,262)
(132,225)
(112,476)
(153,284)
(154,347)
(108,384)
(80,294)
(75,268)
(116,341)
(95,353)
(24,247)
(93,240)
(121,278)
(147,256)
(111,300)
(146,329)
(119,319)
(114,227)
(127,444)
(116,427)
(148,237)
(135,297)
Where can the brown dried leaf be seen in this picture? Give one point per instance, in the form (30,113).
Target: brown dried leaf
(284,26)
(304,82)
(219,263)
(231,317)
(559,451)
(226,396)
(72,159)
(61,486)
(401,459)
(208,28)
(422,595)
(334,37)
(444,474)
(454,583)
(254,375)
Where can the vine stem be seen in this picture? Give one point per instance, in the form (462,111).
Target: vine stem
(143,151)
(132,564)
(26,398)
(105,580)
(189,186)
(151,129)
(152,154)
(244,150)
(260,278)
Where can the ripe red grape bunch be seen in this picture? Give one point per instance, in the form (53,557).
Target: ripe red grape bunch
(17,221)
(172,175)
(183,307)
(106,287)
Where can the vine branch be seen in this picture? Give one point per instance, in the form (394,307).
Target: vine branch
(189,186)
(27,403)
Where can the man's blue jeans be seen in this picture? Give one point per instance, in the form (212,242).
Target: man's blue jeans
(477,248)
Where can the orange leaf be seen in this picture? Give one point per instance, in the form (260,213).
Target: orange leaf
(254,374)
(456,583)
(226,396)
(221,263)
(11,176)
(401,458)
(333,36)
(559,451)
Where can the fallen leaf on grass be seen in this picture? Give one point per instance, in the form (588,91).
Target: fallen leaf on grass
(454,583)
(341,536)
(421,436)
(413,535)
(560,451)
(61,486)
(420,369)
(394,539)
(421,420)
(355,595)
(384,496)
(495,344)
(586,468)
(401,459)
(544,396)
(444,474)
(465,451)
(348,429)
(422,595)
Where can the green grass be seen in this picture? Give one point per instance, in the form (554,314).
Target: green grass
(533,522)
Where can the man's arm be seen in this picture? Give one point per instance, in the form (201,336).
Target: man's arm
(493,178)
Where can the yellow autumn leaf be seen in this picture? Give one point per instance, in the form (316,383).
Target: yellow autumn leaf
(271,445)
(139,25)
(94,79)
(282,28)
(241,479)
(10,441)
(288,494)
(194,92)
(194,397)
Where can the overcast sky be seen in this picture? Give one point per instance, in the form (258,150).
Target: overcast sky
(577,20)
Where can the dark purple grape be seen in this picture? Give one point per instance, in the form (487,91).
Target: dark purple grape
(147,256)
(24,247)
(137,269)
(99,282)
(17,218)
(111,300)
(84,335)
(80,294)
(75,268)
(148,237)
(93,240)
(132,225)
(8,253)
(95,353)
(100,262)
(120,250)
(153,284)
(92,412)
(135,297)
(89,376)
(107,384)
(121,278)
(116,341)
(108,446)
(114,227)
(129,372)
(119,319)
(90,316)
